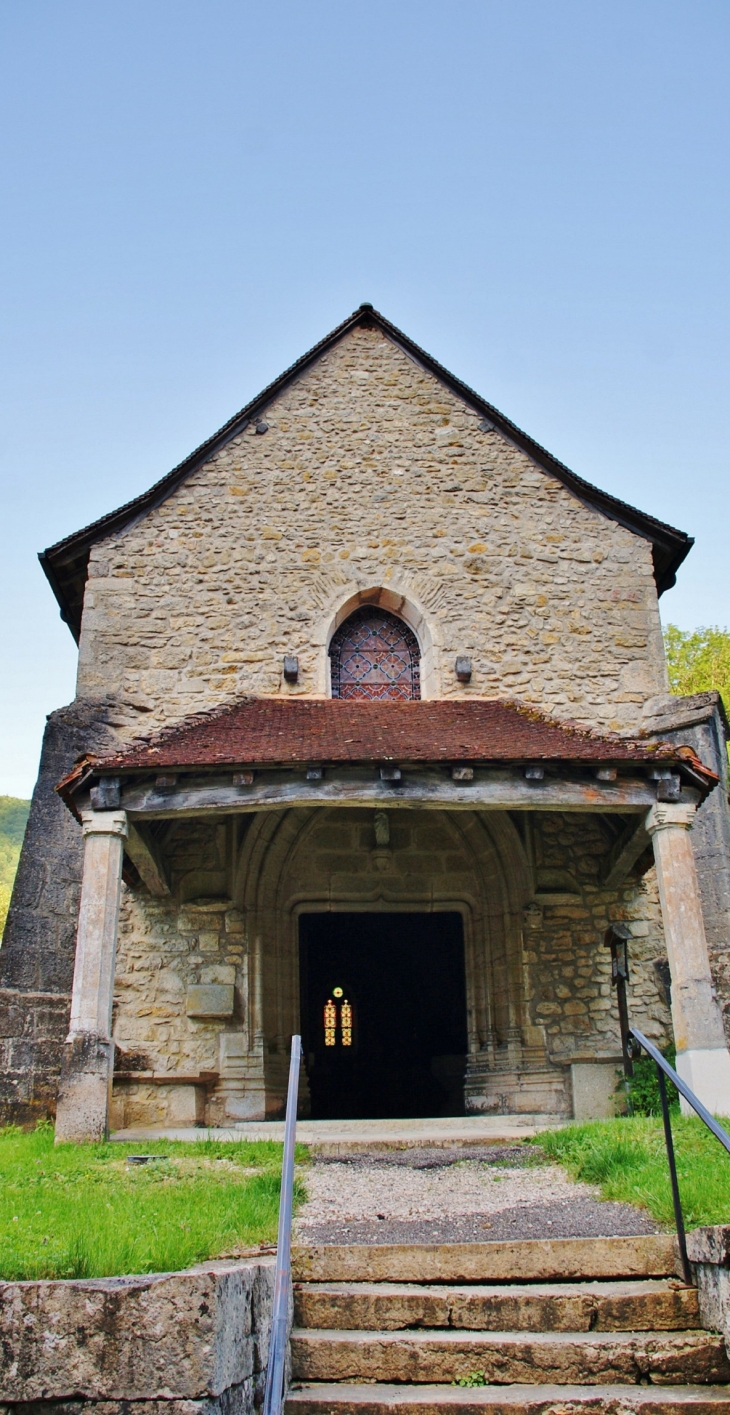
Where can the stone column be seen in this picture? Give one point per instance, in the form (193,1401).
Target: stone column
(702,1057)
(86,1073)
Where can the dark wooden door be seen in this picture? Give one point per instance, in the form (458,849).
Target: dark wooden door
(402,976)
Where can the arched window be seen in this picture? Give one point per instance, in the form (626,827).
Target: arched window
(375,655)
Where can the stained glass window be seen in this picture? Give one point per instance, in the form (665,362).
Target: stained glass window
(334,1015)
(330,1023)
(375,655)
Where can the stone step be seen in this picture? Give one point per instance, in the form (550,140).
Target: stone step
(533,1260)
(558,1358)
(648,1305)
(348,1137)
(343,1399)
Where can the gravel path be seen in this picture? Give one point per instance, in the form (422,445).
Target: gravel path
(454,1196)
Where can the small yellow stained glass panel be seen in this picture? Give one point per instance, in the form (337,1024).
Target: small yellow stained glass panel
(346,1023)
(330,1023)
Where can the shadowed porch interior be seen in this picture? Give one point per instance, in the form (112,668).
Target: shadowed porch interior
(383,1006)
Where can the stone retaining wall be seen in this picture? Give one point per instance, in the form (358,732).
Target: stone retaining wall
(179,1342)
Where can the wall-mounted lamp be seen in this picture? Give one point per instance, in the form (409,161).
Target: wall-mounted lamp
(291,669)
(463,669)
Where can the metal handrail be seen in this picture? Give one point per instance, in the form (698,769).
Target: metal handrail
(273,1395)
(664,1069)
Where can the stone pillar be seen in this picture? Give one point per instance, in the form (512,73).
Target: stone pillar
(702,1057)
(86,1074)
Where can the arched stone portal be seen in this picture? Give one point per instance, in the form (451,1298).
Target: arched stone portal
(354,860)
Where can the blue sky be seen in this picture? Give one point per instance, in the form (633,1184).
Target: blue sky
(194,193)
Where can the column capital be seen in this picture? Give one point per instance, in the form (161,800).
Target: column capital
(104,823)
(663,816)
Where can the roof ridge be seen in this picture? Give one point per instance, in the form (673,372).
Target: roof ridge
(64,562)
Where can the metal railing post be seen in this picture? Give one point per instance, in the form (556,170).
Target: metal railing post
(273,1395)
(664,1070)
(669,1141)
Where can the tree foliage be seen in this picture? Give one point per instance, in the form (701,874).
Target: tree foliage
(698,660)
(13,819)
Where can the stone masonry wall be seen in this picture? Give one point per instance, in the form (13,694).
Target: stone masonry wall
(372,480)
(699,721)
(548,958)
(568,968)
(37,953)
(371,475)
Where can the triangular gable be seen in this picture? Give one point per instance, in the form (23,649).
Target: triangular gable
(65,564)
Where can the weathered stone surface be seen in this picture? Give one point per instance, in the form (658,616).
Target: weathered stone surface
(344,1399)
(37,955)
(596,1306)
(555,978)
(257,556)
(165,1337)
(710,1245)
(708,1250)
(237,1400)
(700,721)
(507,1357)
(534,1260)
(702,1057)
(253,557)
(210,1000)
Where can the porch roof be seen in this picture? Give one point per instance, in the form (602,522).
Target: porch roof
(258,732)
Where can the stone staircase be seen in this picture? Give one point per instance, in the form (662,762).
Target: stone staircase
(562,1325)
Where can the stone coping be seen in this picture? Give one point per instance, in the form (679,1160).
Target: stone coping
(187,1335)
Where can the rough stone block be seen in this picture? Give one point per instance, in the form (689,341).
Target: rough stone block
(594,1090)
(210,1000)
(166,1337)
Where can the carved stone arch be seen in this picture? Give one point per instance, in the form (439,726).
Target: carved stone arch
(375,656)
(403,606)
(326,858)
(261,866)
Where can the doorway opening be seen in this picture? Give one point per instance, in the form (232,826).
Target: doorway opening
(383,1008)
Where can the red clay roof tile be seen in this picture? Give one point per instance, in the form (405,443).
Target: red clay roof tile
(280,731)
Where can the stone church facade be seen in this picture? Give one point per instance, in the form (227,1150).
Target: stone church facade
(372,714)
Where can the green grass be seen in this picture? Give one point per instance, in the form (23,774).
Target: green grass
(83,1211)
(627,1159)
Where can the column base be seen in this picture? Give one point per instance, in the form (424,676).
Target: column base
(84,1091)
(706,1070)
